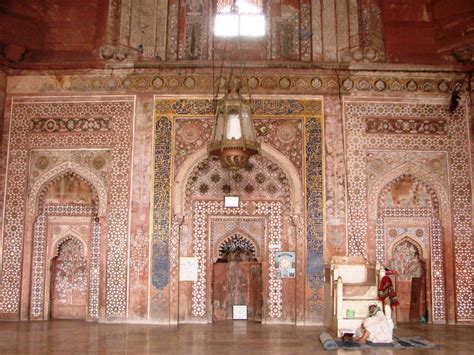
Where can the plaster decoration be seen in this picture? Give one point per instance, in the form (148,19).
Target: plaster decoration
(66,227)
(437,257)
(172,44)
(305,30)
(268,109)
(191,134)
(314,215)
(370,22)
(236,242)
(273,211)
(429,167)
(23,141)
(46,166)
(408,192)
(335,173)
(76,124)
(173,82)
(138,258)
(400,126)
(405,260)
(197,30)
(177,233)
(397,229)
(71,272)
(192,47)
(260,179)
(161,211)
(316,31)
(252,228)
(181,112)
(328,20)
(284,135)
(455,143)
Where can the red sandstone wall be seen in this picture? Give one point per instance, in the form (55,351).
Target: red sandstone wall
(396,31)
(51,29)
(409,31)
(3,148)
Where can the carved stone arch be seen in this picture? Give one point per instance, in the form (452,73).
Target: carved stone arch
(69,167)
(375,190)
(64,237)
(387,187)
(402,239)
(216,252)
(267,151)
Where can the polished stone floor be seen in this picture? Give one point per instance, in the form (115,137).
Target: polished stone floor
(238,337)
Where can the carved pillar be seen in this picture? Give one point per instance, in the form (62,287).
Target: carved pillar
(299,224)
(174,267)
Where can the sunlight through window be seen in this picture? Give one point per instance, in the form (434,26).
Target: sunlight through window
(246,21)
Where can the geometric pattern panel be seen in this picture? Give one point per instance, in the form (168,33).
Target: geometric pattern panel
(202,210)
(40,259)
(117,137)
(455,142)
(437,259)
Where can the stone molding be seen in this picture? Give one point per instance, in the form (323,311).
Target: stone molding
(297,81)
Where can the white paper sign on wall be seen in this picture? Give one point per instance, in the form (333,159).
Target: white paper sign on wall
(188,268)
(239,311)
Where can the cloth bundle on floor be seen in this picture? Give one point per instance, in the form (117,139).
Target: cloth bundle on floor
(327,341)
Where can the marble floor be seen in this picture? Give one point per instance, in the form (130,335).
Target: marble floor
(238,337)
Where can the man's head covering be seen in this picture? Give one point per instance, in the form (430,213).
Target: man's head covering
(373,309)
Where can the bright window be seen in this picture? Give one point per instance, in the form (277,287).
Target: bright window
(247,20)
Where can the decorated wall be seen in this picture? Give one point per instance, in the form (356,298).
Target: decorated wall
(108,180)
(113,211)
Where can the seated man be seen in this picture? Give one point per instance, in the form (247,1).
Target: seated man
(375,328)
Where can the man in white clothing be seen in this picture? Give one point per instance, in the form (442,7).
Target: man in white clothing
(375,328)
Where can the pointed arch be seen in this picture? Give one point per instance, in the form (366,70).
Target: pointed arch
(428,179)
(184,172)
(69,167)
(402,239)
(67,235)
(228,239)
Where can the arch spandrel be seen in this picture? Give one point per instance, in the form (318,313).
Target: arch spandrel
(375,190)
(267,151)
(67,167)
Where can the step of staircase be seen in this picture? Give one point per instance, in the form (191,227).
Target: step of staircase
(360,291)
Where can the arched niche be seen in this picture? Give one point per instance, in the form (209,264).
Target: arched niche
(236,240)
(431,213)
(41,210)
(66,235)
(42,184)
(377,189)
(267,151)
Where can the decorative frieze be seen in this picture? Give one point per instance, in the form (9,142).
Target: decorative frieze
(397,125)
(71,124)
(169,81)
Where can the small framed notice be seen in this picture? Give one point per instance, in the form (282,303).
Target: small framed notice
(232,201)
(239,311)
(188,268)
(285,264)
